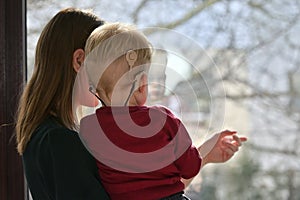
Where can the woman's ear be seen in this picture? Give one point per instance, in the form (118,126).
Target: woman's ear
(78,58)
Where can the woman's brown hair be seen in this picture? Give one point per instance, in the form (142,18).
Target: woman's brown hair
(49,91)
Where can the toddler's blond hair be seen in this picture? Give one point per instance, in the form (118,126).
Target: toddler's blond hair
(112,41)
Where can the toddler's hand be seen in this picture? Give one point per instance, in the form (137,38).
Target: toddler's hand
(220,147)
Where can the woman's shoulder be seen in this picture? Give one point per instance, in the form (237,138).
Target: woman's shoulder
(53,139)
(52,127)
(51,132)
(51,124)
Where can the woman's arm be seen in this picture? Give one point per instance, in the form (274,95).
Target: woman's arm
(74,169)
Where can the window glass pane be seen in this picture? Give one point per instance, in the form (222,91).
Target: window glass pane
(228,65)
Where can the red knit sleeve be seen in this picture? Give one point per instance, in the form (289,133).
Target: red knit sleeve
(189,163)
(189,160)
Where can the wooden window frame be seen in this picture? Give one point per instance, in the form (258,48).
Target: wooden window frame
(13,74)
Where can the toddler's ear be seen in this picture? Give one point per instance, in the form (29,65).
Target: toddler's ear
(143,82)
(78,58)
(142,91)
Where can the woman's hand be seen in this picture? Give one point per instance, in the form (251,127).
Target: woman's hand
(220,147)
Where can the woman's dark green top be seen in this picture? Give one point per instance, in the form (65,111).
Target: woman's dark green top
(58,167)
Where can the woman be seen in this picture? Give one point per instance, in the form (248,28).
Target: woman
(56,164)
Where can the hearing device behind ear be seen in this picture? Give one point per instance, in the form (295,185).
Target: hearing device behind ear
(92,88)
(93,91)
(131,57)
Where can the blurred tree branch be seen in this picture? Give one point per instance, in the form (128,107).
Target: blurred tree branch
(195,11)
(135,13)
(189,15)
(272,150)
